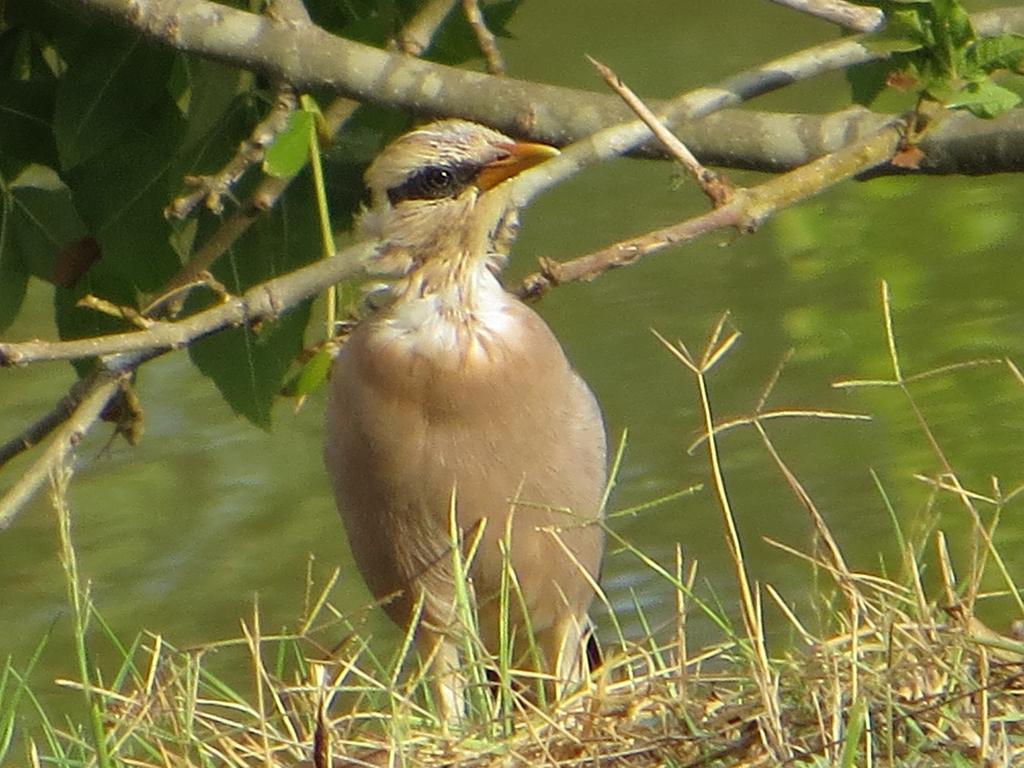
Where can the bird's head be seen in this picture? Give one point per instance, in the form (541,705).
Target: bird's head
(435,192)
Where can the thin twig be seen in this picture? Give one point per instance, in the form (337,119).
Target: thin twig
(746,211)
(619,139)
(484,37)
(265,301)
(263,199)
(215,187)
(718,190)
(36,432)
(855,18)
(103,388)
(418,34)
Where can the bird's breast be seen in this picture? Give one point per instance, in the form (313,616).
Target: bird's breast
(447,334)
(485,411)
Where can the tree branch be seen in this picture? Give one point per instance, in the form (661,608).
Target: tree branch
(213,188)
(309,57)
(120,354)
(420,29)
(414,38)
(715,187)
(99,393)
(746,210)
(36,432)
(265,301)
(418,34)
(856,18)
(484,37)
(268,300)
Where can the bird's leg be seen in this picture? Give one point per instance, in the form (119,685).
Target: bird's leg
(563,648)
(446,681)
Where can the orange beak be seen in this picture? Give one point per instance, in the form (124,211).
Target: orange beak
(520,156)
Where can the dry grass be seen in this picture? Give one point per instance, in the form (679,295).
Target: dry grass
(908,684)
(899,678)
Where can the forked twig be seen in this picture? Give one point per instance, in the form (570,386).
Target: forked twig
(215,187)
(747,210)
(718,190)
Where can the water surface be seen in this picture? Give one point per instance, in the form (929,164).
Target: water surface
(180,534)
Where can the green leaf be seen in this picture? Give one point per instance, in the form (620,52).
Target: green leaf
(207,95)
(13,276)
(885,45)
(954,23)
(110,85)
(311,376)
(368,21)
(40,222)
(74,322)
(20,56)
(248,366)
(121,193)
(943,89)
(902,32)
(206,153)
(456,42)
(52,18)
(26,120)
(909,24)
(1002,52)
(290,150)
(854,731)
(867,81)
(985,99)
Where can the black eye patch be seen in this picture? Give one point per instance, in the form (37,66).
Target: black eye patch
(434,182)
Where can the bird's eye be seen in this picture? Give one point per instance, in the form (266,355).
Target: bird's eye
(432,183)
(435,182)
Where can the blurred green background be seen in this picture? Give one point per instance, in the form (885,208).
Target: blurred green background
(180,534)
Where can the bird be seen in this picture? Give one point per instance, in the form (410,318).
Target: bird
(454,415)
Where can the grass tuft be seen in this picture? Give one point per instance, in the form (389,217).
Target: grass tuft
(882,674)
